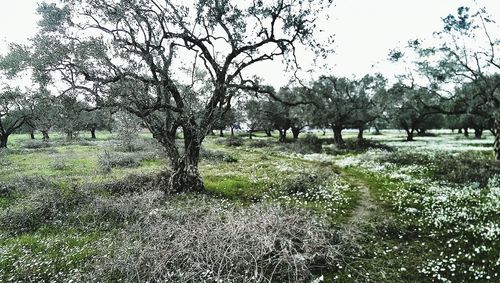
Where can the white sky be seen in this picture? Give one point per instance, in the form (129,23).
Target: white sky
(364,30)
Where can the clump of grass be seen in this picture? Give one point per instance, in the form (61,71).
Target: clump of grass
(234,187)
(203,240)
(59,163)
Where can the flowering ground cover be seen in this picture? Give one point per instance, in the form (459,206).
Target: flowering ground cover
(389,211)
(446,198)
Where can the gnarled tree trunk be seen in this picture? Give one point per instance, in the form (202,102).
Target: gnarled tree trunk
(466,132)
(32,134)
(478,133)
(185,175)
(295,132)
(337,136)
(268,133)
(360,133)
(409,134)
(92,133)
(496,144)
(282,137)
(3,140)
(221,132)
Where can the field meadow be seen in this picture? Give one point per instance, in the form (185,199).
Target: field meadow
(380,210)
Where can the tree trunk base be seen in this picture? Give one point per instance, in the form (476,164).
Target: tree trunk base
(337,137)
(45,136)
(295,132)
(478,133)
(186,179)
(3,141)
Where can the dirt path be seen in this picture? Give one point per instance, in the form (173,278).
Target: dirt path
(363,214)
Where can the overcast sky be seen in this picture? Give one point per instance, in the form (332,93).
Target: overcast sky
(364,29)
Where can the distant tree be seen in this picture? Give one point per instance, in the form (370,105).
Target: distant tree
(409,108)
(279,115)
(228,119)
(69,118)
(137,53)
(46,110)
(14,103)
(301,115)
(256,117)
(13,113)
(344,103)
(96,119)
(28,128)
(370,102)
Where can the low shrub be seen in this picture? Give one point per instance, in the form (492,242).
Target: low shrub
(259,143)
(85,143)
(202,240)
(108,160)
(322,191)
(25,184)
(216,156)
(40,207)
(133,183)
(355,146)
(310,143)
(103,211)
(59,163)
(232,141)
(35,144)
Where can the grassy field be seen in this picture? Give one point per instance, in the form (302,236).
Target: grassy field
(381,211)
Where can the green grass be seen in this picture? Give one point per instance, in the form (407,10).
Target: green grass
(46,255)
(234,187)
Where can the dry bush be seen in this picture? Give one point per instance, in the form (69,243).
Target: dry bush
(216,156)
(133,183)
(42,206)
(199,240)
(108,211)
